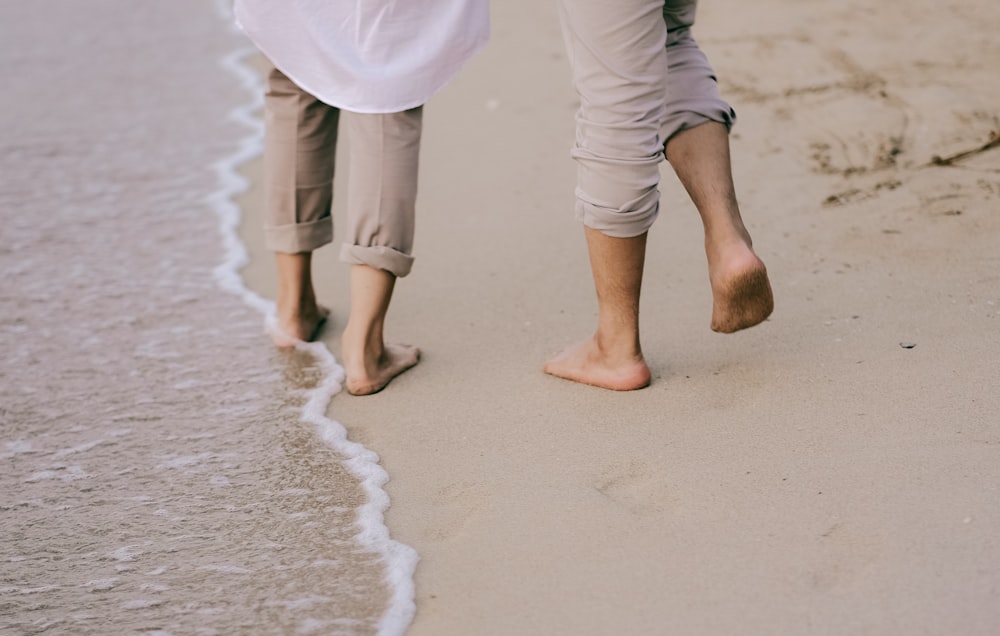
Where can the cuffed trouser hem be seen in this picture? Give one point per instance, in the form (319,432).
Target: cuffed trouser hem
(631,219)
(692,89)
(641,79)
(696,113)
(295,238)
(379,257)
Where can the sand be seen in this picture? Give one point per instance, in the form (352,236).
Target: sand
(809,476)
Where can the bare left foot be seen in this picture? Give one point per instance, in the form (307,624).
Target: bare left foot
(299,326)
(298,317)
(741,291)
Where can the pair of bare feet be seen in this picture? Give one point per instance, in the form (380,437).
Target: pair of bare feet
(369,363)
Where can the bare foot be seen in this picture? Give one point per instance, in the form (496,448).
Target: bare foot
(300,326)
(741,291)
(586,363)
(369,363)
(365,377)
(299,318)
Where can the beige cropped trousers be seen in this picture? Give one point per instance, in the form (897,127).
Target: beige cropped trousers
(300,142)
(641,78)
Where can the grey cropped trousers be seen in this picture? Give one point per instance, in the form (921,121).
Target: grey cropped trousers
(300,142)
(641,78)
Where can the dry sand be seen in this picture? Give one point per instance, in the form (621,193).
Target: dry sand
(809,476)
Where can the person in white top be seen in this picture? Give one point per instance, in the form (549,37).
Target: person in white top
(365,68)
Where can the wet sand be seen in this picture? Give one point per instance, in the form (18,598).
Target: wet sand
(156,475)
(809,476)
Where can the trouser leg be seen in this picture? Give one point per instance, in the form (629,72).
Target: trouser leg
(618,59)
(382,190)
(641,78)
(299,151)
(692,91)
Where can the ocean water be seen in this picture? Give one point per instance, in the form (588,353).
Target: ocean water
(163,469)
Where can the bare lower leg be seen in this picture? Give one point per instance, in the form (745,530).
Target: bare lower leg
(612,357)
(741,290)
(299,317)
(369,362)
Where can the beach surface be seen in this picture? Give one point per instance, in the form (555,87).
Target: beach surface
(163,468)
(835,470)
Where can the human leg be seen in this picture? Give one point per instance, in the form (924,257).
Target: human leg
(612,357)
(300,317)
(696,127)
(381,208)
(369,362)
(299,150)
(741,291)
(616,52)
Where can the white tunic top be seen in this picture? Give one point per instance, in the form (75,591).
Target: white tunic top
(367,56)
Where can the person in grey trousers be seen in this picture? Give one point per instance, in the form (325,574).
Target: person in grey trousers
(647,92)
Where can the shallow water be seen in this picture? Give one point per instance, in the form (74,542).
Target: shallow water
(157,473)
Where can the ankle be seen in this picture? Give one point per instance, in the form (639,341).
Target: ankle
(618,345)
(726,231)
(362,343)
(300,309)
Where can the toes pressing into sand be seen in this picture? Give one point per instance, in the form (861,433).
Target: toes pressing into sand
(586,363)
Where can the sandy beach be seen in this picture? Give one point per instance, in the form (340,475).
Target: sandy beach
(162,470)
(835,470)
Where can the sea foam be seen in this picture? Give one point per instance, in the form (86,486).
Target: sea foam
(362,462)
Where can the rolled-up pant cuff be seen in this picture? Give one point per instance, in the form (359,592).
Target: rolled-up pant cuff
(695,113)
(641,79)
(633,218)
(294,238)
(692,89)
(379,257)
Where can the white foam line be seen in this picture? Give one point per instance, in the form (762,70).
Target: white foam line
(400,559)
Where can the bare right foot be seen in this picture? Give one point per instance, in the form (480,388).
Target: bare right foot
(586,363)
(367,374)
(741,291)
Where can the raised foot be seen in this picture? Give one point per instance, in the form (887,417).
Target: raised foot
(586,363)
(742,297)
(367,379)
(289,331)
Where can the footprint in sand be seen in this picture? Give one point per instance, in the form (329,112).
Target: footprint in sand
(453,506)
(842,554)
(636,487)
